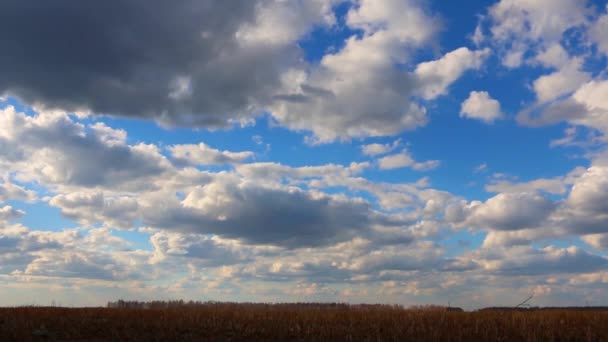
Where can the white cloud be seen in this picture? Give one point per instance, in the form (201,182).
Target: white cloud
(483,167)
(557,185)
(481,106)
(379,149)
(359,91)
(90,208)
(54,150)
(405,159)
(597,241)
(436,76)
(518,26)
(510,211)
(202,154)
(561,82)
(598,31)
(10,191)
(8,213)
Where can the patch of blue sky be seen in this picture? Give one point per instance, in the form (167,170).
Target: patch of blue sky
(458,242)
(136,239)
(41,216)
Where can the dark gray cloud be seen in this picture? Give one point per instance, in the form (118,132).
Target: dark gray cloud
(260,215)
(154,59)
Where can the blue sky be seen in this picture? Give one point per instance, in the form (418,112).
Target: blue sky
(392,151)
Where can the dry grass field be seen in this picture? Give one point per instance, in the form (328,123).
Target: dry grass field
(252,322)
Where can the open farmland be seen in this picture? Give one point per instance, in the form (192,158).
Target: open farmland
(293,322)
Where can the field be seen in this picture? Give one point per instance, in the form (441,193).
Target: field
(293,322)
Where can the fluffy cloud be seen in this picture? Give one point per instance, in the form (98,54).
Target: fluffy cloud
(263,215)
(8,213)
(481,106)
(379,149)
(528,261)
(203,154)
(93,207)
(510,211)
(597,241)
(205,64)
(587,106)
(404,159)
(53,149)
(519,25)
(561,82)
(10,191)
(185,63)
(359,91)
(435,77)
(597,33)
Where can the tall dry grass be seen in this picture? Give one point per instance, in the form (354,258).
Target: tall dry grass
(235,322)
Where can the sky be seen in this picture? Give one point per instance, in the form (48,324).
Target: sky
(365,151)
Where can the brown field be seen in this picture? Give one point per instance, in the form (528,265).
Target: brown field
(298,322)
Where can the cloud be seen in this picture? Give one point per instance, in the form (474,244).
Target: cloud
(510,211)
(597,33)
(481,106)
(54,150)
(203,154)
(518,26)
(557,185)
(561,82)
(483,167)
(10,191)
(205,251)
(404,159)
(525,260)
(263,215)
(359,91)
(585,107)
(8,213)
(66,254)
(191,63)
(435,77)
(90,208)
(379,149)
(597,241)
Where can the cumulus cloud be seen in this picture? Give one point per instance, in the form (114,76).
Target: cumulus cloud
(481,106)
(206,64)
(203,154)
(519,25)
(10,191)
(8,213)
(597,241)
(510,211)
(185,63)
(435,77)
(597,33)
(91,208)
(561,82)
(587,106)
(557,185)
(379,149)
(525,260)
(263,215)
(405,159)
(52,149)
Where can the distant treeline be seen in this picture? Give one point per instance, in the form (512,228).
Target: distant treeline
(266,306)
(305,306)
(157,304)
